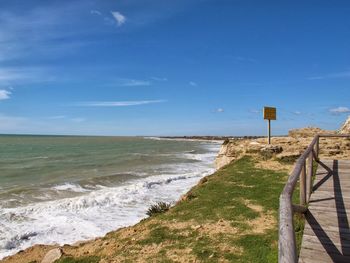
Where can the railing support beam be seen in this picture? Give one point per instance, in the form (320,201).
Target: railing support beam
(309,177)
(303,185)
(287,248)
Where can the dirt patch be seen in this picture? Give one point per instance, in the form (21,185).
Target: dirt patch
(178,225)
(255,207)
(181,255)
(273,165)
(263,222)
(220,227)
(31,254)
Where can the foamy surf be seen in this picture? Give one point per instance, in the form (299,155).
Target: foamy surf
(99,209)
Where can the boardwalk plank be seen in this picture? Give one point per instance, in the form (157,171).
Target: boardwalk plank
(327,234)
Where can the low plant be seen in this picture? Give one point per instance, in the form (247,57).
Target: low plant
(158,208)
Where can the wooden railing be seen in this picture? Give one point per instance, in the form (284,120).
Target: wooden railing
(303,171)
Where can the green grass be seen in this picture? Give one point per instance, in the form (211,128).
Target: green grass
(223,196)
(91,259)
(235,197)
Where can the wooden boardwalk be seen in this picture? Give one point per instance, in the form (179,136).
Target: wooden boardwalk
(327,234)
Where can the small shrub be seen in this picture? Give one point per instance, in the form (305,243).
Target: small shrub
(158,208)
(190,196)
(203,180)
(266,155)
(226,141)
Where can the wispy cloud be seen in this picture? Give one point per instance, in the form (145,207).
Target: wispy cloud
(255,111)
(219,110)
(296,112)
(193,84)
(118,103)
(19,75)
(119,17)
(4,94)
(159,79)
(134,82)
(339,110)
(95,12)
(335,75)
(33,33)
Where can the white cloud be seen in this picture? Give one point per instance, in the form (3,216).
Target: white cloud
(159,79)
(219,110)
(192,83)
(95,12)
(336,75)
(339,110)
(297,112)
(19,75)
(118,103)
(121,19)
(255,111)
(34,33)
(4,94)
(134,83)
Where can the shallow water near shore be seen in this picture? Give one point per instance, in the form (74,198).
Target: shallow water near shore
(63,189)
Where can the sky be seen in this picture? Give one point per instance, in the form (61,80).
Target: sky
(165,67)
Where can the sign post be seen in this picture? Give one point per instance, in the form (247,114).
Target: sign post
(269,114)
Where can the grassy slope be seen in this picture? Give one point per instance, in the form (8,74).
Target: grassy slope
(230,216)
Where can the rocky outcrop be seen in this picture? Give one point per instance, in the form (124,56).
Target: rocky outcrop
(283,149)
(307,132)
(345,129)
(52,256)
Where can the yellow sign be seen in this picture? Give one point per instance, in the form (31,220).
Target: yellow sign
(270,113)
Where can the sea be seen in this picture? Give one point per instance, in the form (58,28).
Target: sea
(64,189)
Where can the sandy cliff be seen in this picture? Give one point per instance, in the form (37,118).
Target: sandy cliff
(283,149)
(345,129)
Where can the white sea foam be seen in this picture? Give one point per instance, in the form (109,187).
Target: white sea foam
(93,214)
(70,187)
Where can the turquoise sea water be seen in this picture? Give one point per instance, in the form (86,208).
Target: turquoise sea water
(61,189)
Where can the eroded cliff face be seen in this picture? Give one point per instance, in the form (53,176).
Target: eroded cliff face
(345,129)
(283,149)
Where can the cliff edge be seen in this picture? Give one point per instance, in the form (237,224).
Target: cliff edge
(345,128)
(286,149)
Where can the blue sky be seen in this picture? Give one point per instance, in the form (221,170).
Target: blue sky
(161,67)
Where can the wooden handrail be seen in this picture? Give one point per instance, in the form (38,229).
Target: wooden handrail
(287,250)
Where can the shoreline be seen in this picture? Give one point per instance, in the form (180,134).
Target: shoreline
(177,181)
(278,157)
(141,242)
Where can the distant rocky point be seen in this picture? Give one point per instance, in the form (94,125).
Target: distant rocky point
(284,149)
(345,129)
(211,138)
(308,132)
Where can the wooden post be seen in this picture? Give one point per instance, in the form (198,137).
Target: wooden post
(317,148)
(309,177)
(303,185)
(269,114)
(269,131)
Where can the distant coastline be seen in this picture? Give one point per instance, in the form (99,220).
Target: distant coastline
(210,138)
